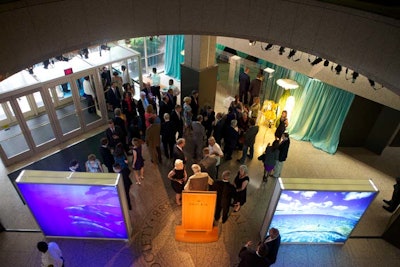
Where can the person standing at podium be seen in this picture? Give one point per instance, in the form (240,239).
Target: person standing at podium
(199,181)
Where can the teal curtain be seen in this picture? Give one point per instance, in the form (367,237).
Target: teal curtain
(174,44)
(319,114)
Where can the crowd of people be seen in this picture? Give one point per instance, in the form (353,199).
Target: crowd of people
(156,118)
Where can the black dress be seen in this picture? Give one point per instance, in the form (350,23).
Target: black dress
(139,163)
(281,128)
(241,195)
(179,175)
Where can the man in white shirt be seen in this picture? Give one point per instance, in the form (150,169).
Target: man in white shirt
(155,89)
(89,94)
(216,151)
(51,254)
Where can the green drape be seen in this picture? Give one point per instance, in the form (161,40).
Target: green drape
(174,45)
(319,114)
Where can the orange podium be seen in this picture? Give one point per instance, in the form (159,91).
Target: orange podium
(198,208)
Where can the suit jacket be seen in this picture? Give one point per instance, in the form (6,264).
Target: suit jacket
(195,107)
(273,247)
(255,87)
(208,164)
(117,132)
(284,149)
(164,108)
(250,135)
(114,98)
(244,82)
(153,135)
(106,156)
(249,258)
(176,121)
(178,154)
(167,132)
(225,192)
(198,133)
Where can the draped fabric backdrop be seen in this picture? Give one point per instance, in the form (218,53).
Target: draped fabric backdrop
(174,44)
(319,111)
(319,114)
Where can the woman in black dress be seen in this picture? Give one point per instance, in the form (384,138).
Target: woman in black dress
(178,177)
(283,123)
(241,181)
(137,160)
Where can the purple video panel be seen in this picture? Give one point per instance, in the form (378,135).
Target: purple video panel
(81,211)
(319,216)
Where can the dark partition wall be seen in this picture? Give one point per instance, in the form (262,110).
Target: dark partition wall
(359,122)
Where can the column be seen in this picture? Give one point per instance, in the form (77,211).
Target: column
(199,71)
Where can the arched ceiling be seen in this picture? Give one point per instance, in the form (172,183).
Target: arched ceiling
(368,43)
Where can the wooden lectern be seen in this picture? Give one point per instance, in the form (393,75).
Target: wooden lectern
(198,208)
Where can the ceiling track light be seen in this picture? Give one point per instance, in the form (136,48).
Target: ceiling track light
(326,63)
(252,43)
(268,47)
(291,53)
(281,50)
(372,83)
(338,69)
(316,61)
(354,76)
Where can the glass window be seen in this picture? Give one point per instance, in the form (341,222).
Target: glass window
(12,140)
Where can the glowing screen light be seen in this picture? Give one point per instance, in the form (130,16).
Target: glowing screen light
(81,211)
(319,216)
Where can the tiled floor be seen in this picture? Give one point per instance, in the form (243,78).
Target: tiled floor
(155,216)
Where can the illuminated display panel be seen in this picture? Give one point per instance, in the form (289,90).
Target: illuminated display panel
(319,216)
(81,211)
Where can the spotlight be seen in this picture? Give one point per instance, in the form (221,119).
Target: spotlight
(291,53)
(269,46)
(281,50)
(316,61)
(371,82)
(46,64)
(84,53)
(326,63)
(252,43)
(105,47)
(355,75)
(338,69)
(151,38)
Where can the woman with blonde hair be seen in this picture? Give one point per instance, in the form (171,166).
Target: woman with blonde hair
(93,164)
(178,177)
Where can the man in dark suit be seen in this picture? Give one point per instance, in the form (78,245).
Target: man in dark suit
(254,258)
(164,108)
(255,88)
(178,150)
(113,96)
(106,155)
(273,241)
(225,193)
(167,136)
(114,134)
(208,163)
(177,120)
(244,84)
(127,181)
